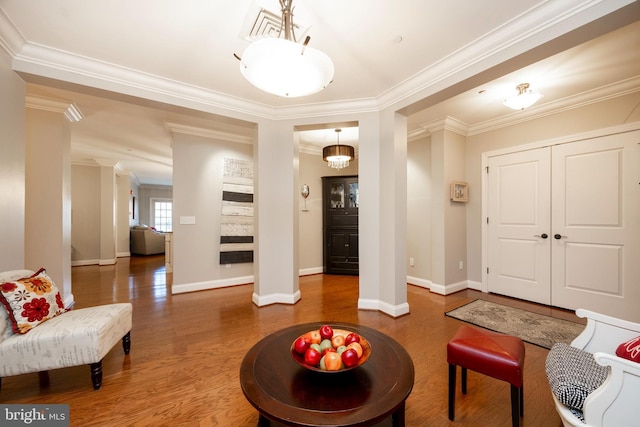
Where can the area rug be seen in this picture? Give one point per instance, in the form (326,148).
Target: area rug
(533,328)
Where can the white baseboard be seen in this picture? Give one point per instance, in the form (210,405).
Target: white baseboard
(210,284)
(310,271)
(391,310)
(423,283)
(123,254)
(449,289)
(82,262)
(263,300)
(107,261)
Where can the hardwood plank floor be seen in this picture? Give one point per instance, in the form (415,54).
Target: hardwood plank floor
(186,352)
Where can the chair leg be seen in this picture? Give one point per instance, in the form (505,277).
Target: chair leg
(464,380)
(452,391)
(43,378)
(522,400)
(126,343)
(96,374)
(515,406)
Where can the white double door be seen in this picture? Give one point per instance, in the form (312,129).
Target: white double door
(564,225)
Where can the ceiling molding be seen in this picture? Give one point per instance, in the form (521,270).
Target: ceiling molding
(11,40)
(531,29)
(67,108)
(207,133)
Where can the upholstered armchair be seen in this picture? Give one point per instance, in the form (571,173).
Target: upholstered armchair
(613,402)
(145,241)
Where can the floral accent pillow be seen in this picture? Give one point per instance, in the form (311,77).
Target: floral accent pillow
(31,301)
(630,350)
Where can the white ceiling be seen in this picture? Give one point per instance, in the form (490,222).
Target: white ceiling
(131,67)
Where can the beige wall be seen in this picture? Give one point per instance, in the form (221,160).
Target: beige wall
(12,168)
(605,114)
(85,219)
(312,169)
(419,211)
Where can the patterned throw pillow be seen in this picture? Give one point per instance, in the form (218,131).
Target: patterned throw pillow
(31,301)
(630,350)
(573,374)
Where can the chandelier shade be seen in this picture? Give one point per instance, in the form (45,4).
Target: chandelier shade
(338,156)
(286,68)
(282,66)
(525,98)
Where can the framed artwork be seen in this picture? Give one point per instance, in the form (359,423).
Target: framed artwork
(459,191)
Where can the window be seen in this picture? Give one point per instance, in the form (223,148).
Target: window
(161,214)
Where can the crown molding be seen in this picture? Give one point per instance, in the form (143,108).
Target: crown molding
(11,40)
(207,133)
(70,111)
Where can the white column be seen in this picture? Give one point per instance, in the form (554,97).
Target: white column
(48,189)
(383,214)
(108,198)
(276,215)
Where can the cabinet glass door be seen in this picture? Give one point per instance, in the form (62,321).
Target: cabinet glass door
(337,195)
(354,196)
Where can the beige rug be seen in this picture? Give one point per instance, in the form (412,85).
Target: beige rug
(531,327)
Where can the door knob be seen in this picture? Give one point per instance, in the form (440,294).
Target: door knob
(543,235)
(558,236)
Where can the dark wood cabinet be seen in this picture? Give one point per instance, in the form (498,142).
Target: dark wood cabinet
(340,224)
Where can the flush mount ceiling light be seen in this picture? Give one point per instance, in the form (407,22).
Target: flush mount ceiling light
(338,156)
(523,99)
(282,66)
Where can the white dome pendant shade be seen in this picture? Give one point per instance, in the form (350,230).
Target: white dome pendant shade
(286,68)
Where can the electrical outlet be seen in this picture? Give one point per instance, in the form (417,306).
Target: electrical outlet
(412,262)
(227,265)
(461,265)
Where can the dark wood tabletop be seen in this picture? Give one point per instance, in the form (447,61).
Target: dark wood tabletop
(283,391)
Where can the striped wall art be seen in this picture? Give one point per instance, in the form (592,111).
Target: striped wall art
(236,223)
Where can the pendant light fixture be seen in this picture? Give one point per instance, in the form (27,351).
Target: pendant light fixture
(338,156)
(523,99)
(282,66)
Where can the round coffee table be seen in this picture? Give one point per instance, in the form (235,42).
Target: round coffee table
(283,391)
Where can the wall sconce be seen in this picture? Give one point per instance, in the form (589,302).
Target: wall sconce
(304,191)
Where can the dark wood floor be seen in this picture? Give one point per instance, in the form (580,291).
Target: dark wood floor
(186,352)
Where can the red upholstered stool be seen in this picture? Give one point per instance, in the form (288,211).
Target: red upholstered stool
(496,355)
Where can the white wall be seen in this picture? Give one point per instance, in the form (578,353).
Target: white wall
(12,167)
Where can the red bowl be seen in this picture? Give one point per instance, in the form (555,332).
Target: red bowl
(366,353)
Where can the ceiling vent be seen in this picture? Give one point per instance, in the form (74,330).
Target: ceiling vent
(261,23)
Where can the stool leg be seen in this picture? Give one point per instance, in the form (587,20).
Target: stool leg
(126,342)
(515,406)
(96,374)
(522,400)
(452,391)
(464,380)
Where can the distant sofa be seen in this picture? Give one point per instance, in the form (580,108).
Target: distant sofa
(146,241)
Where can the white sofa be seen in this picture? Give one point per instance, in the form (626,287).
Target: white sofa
(76,337)
(615,402)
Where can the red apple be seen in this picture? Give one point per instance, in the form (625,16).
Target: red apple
(350,357)
(352,337)
(326,332)
(301,345)
(312,357)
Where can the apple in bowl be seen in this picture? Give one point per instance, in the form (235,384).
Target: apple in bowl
(330,350)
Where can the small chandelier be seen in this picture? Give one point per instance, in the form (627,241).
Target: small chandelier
(338,156)
(283,67)
(524,99)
